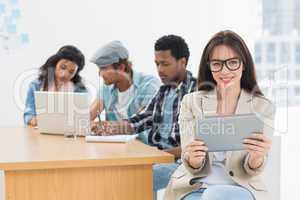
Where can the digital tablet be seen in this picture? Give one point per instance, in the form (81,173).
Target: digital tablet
(226,133)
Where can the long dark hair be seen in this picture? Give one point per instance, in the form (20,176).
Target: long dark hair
(229,38)
(68,52)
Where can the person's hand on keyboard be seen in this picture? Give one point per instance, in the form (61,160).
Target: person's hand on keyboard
(112,128)
(98,128)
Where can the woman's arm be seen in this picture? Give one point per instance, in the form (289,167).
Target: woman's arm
(258,145)
(33,122)
(30,112)
(194,152)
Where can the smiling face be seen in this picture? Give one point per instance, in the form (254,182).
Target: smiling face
(65,70)
(226,78)
(169,68)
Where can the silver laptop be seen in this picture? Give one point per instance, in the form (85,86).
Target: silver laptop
(56,110)
(226,133)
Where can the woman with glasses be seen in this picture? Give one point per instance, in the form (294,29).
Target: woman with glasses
(227,85)
(59,73)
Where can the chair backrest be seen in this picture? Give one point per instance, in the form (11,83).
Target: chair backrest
(272,171)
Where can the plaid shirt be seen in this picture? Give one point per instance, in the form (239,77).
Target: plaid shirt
(151,117)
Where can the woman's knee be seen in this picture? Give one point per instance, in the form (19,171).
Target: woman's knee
(196,195)
(226,192)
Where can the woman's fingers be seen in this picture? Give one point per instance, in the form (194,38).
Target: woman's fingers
(258,142)
(260,137)
(255,143)
(197,143)
(254,148)
(199,148)
(198,154)
(195,153)
(196,148)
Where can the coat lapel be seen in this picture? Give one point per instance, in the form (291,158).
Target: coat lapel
(209,103)
(244,103)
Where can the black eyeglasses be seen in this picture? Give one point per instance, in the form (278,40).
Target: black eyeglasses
(231,64)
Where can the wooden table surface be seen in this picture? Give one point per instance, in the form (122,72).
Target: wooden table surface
(50,167)
(25,148)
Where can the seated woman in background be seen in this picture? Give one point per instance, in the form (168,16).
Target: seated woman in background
(227,85)
(59,73)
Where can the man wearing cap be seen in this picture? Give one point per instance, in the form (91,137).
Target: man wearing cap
(125,92)
(161,115)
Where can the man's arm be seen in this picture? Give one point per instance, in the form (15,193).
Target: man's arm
(96,107)
(137,123)
(144,119)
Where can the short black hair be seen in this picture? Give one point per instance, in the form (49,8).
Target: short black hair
(176,44)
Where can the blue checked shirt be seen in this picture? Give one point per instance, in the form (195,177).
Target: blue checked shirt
(152,117)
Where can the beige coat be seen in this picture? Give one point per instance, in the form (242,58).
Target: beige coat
(195,106)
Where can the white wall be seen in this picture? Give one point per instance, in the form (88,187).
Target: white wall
(91,23)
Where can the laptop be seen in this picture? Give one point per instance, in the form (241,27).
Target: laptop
(57,110)
(226,133)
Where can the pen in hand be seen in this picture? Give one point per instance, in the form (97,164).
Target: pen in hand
(100,131)
(99,117)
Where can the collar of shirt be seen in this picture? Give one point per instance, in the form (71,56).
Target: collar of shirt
(183,85)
